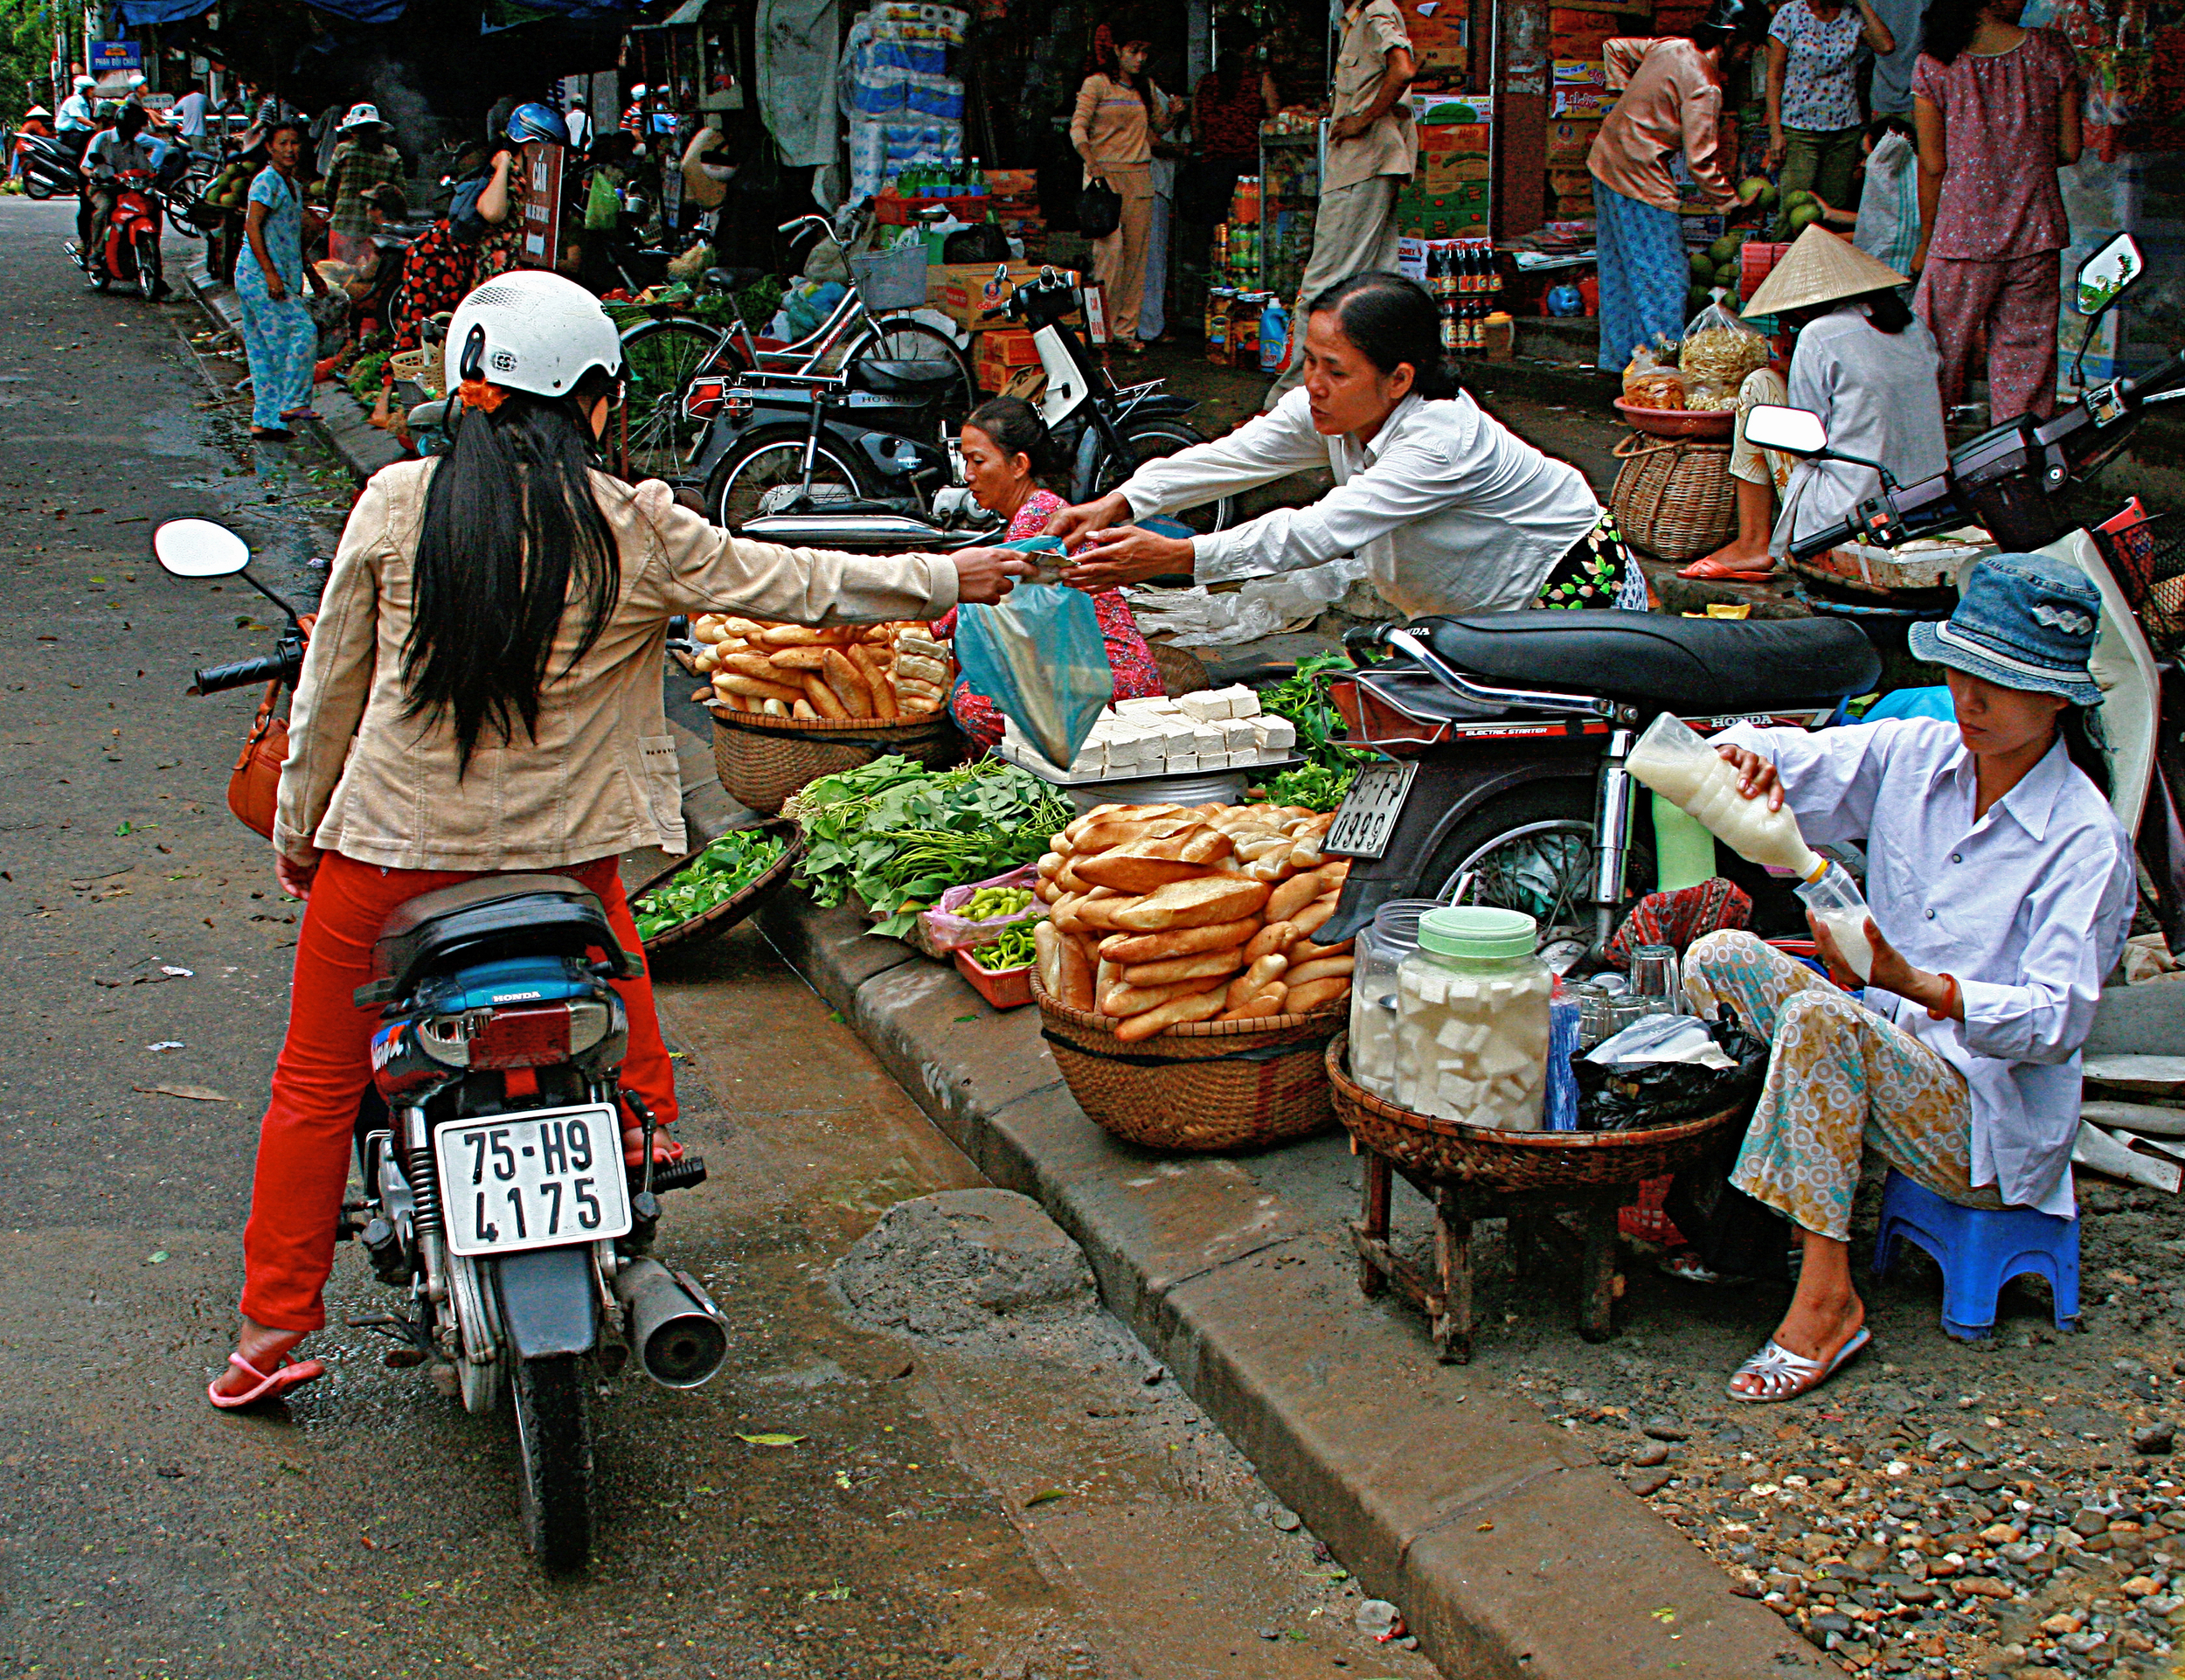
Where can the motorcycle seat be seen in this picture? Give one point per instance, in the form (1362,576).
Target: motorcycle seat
(491,917)
(733,280)
(1690,665)
(918,379)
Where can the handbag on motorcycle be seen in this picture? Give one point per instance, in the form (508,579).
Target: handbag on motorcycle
(254,787)
(1099,209)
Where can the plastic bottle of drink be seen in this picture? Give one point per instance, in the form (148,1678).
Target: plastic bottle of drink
(1673,761)
(1838,905)
(975,181)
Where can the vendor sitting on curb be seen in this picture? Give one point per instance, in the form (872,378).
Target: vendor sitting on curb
(1867,366)
(1005,450)
(2005,882)
(1452,513)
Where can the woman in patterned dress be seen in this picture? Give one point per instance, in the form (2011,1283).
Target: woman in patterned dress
(2001,886)
(1005,446)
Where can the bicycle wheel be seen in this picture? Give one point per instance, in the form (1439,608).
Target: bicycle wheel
(660,358)
(904,344)
(1149,440)
(775,460)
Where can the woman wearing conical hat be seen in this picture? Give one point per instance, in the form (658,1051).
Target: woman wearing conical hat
(1864,362)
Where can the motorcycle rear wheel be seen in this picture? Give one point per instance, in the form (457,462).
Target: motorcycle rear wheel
(770,460)
(36,186)
(1532,849)
(553,1441)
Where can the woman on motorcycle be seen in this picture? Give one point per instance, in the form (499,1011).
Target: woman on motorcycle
(1451,512)
(2004,884)
(481,695)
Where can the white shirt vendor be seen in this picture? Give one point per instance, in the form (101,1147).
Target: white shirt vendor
(2028,908)
(1452,513)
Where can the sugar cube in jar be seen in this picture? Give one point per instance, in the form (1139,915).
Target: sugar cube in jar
(1471,1020)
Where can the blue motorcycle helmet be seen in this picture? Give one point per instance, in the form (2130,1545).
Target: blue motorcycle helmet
(537,121)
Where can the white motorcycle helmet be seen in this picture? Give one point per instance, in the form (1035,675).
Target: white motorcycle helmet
(532,332)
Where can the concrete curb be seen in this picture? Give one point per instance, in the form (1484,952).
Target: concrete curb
(1509,1549)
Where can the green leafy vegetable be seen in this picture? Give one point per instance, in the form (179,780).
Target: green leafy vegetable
(364,375)
(898,835)
(1331,766)
(1315,787)
(723,869)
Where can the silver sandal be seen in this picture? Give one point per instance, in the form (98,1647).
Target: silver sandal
(1785,1375)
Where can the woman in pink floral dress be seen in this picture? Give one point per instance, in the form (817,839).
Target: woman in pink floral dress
(1004,446)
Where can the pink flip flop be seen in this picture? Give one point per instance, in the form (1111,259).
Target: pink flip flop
(1717,570)
(289,1373)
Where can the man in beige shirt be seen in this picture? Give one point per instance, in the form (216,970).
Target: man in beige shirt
(1372,149)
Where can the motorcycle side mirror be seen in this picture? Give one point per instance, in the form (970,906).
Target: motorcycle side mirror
(199,548)
(2103,277)
(1787,430)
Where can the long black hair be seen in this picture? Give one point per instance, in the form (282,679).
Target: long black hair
(512,539)
(2084,740)
(1014,424)
(1949,28)
(1392,321)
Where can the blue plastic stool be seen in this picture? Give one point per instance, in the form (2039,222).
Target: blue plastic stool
(1980,1250)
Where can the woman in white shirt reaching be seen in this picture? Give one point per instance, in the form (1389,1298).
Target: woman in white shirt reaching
(1452,513)
(2001,888)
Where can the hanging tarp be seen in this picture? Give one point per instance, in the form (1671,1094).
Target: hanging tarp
(135,14)
(361,11)
(510,14)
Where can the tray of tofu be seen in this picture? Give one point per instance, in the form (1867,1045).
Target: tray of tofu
(1212,730)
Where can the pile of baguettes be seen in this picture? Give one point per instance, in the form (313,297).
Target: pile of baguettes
(1164,915)
(887,673)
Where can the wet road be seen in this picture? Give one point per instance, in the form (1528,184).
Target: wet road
(369,1529)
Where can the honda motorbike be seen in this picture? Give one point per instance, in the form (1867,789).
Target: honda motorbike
(492,1192)
(1103,431)
(49,161)
(126,252)
(1503,738)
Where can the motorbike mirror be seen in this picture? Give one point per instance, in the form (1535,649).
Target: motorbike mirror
(199,548)
(2103,277)
(1789,431)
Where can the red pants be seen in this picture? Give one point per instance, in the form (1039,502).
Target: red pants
(2016,299)
(304,1141)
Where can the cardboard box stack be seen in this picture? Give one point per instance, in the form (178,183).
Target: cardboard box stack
(976,296)
(1578,31)
(1451,189)
(1013,195)
(1440,33)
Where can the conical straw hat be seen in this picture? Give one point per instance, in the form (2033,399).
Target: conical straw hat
(1820,268)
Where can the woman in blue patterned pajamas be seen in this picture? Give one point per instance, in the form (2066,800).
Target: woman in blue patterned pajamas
(279,335)
(2001,888)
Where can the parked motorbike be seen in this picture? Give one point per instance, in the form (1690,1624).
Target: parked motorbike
(494,1195)
(1105,431)
(1505,737)
(49,163)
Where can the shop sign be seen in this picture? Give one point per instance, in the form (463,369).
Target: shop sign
(542,204)
(114,60)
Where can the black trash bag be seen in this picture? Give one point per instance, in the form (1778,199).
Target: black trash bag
(1662,1094)
(1733,1235)
(1099,209)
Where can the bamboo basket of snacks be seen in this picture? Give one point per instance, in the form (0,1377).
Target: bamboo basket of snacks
(792,703)
(703,896)
(1181,991)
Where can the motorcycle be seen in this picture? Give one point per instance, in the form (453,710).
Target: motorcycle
(126,250)
(1503,738)
(49,162)
(488,1150)
(1103,431)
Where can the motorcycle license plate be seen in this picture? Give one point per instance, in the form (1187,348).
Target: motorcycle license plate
(1367,816)
(540,1179)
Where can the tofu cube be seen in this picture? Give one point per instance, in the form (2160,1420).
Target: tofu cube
(1206,705)
(1208,740)
(1179,763)
(1123,751)
(1244,702)
(1276,735)
(1239,736)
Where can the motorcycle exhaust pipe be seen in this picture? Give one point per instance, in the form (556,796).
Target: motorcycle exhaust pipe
(675,1328)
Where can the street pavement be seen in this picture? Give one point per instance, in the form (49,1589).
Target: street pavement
(936,1517)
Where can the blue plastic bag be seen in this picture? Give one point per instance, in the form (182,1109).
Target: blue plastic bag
(1041,658)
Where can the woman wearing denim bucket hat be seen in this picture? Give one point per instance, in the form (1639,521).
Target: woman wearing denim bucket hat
(2001,886)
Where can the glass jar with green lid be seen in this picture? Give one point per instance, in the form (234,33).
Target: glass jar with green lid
(1382,945)
(1472,1019)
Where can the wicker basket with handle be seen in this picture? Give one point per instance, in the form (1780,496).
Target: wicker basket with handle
(1211,1084)
(762,760)
(1674,496)
(1453,1152)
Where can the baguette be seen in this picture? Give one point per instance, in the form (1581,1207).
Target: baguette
(756,666)
(1192,904)
(1133,872)
(725,684)
(1275,936)
(790,635)
(1077,974)
(1047,949)
(1294,894)
(1207,965)
(1105,913)
(1306,951)
(802,707)
(1258,1008)
(1122,999)
(1327,968)
(1207,847)
(1176,1012)
(1303,1000)
(799,659)
(1050,864)
(843,678)
(876,685)
(823,698)
(1181,942)
(1314,915)
(1262,974)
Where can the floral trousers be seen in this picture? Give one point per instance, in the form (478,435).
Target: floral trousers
(1840,1077)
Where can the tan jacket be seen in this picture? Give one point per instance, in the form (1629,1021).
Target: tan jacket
(1370,31)
(600,778)
(1669,99)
